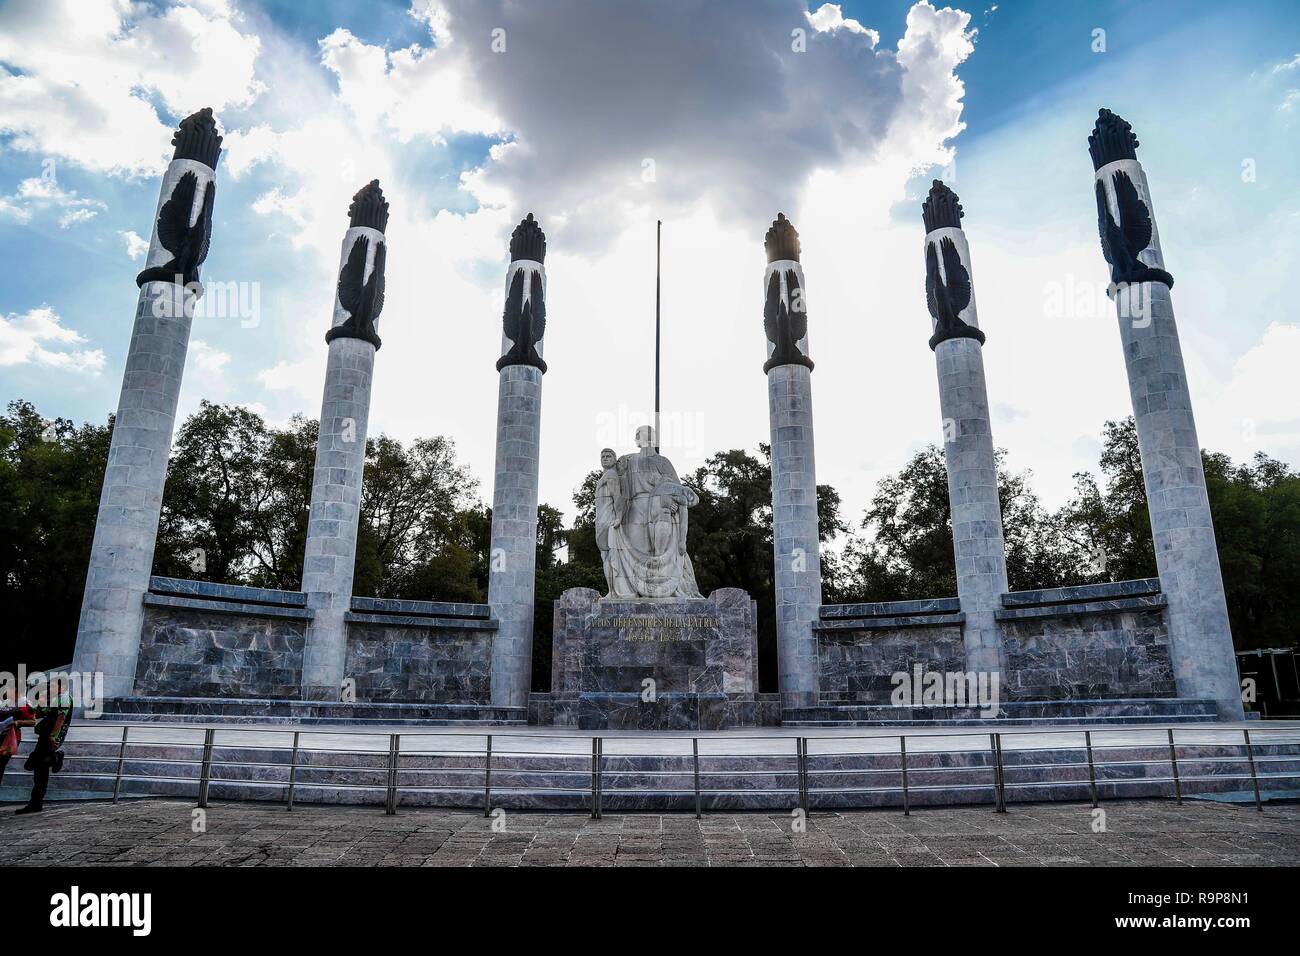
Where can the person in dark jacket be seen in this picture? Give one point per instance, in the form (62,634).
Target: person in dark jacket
(52,722)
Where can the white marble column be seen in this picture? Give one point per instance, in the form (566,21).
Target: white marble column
(978,547)
(513,555)
(796,545)
(1187,556)
(126,528)
(330,558)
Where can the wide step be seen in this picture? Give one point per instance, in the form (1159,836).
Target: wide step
(256,711)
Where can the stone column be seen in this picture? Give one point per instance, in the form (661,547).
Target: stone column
(796,544)
(341,446)
(121,556)
(1187,558)
(513,557)
(958,344)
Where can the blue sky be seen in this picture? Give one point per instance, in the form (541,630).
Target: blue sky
(318,98)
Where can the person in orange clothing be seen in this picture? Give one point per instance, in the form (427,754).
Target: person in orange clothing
(11,720)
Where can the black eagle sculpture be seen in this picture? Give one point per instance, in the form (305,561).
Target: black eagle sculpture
(361,297)
(187,242)
(948,294)
(785,326)
(524,323)
(1122,241)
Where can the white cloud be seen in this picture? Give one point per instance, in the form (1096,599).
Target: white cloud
(1292,64)
(38,337)
(75,216)
(829,17)
(1258,407)
(40,194)
(136,246)
(723,106)
(80,76)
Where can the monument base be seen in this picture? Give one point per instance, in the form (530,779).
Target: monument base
(679,664)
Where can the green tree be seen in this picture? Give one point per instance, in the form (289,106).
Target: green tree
(1109,520)
(51,473)
(907,550)
(216,488)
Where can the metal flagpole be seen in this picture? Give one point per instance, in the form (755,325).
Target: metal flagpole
(659,225)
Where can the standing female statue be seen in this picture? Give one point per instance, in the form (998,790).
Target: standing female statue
(641,524)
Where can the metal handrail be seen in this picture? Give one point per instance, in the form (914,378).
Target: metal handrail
(483,757)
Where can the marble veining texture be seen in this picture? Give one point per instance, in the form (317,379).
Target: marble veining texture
(704,665)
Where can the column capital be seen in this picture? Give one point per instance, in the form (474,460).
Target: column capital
(941,208)
(196,138)
(1112,139)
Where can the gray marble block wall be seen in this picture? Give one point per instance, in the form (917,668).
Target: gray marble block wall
(1089,656)
(513,556)
(1111,653)
(330,558)
(1187,556)
(856,666)
(973,495)
(795,542)
(121,555)
(207,653)
(393,663)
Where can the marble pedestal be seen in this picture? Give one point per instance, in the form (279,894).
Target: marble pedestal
(655,664)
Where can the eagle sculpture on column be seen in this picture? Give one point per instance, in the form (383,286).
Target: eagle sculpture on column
(362,298)
(1122,242)
(524,323)
(948,294)
(785,326)
(187,242)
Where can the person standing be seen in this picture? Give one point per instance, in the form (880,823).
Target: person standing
(52,723)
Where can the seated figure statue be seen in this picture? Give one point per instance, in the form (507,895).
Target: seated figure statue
(641,524)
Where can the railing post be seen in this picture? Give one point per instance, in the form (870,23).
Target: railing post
(1173,762)
(902,753)
(121,759)
(1254,777)
(205,774)
(997,774)
(801,758)
(293,769)
(394,744)
(600,779)
(695,753)
(1092,770)
(487,778)
(1002,777)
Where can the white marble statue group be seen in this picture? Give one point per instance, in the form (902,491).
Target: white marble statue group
(641,522)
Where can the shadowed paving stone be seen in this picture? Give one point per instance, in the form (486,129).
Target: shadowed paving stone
(157,832)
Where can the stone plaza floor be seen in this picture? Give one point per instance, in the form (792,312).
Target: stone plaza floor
(154,832)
